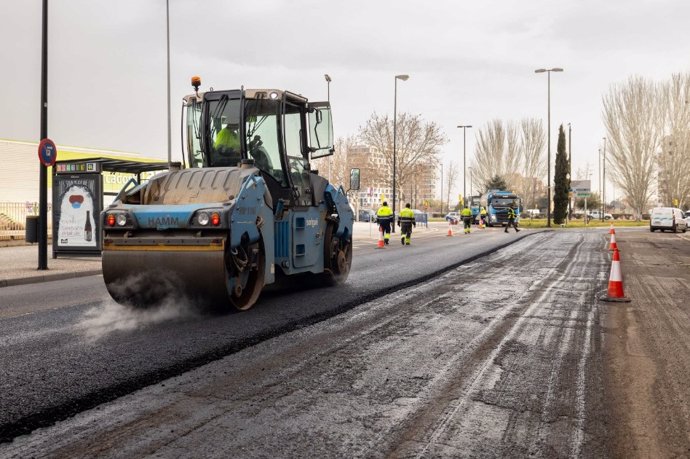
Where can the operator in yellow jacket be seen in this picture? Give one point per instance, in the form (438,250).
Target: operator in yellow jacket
(466,215)
(384,217)
(406,222)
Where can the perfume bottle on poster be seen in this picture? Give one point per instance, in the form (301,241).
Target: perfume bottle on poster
(88,232)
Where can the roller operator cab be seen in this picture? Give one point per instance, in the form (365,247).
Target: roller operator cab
(246,206)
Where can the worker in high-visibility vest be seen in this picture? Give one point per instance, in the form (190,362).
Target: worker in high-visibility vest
(511,219)
(482,217)
(466,215)
(384,217)
(406,221)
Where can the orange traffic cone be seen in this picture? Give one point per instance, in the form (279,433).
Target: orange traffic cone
(380,244)
(612,229)
(613,245)
(615,291)
(450,229)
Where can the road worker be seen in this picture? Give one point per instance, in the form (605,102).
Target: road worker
(406,221)
(482,217)
(466,215)
(227,141)
(384,217)
(511,219)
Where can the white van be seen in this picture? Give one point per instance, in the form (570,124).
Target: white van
(667,218)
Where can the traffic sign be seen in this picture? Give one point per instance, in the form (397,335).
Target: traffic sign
(583,194)
(47,152)
(581,186)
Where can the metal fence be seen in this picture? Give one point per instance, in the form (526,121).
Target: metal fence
(13,219)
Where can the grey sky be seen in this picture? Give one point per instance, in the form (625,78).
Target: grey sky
(469,62)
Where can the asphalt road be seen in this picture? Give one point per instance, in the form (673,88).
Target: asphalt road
(510,355)
(67,347)
(496,358)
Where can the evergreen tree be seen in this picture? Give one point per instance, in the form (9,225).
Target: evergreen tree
(497,183)
(561,183)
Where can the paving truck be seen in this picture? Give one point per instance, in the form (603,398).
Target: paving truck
(242,208)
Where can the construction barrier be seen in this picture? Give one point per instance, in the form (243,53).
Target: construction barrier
(615,289)
(380,244)
(612,244)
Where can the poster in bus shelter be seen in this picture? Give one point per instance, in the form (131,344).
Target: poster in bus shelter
(76,210)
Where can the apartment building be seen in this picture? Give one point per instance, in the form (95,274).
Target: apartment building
(376,180)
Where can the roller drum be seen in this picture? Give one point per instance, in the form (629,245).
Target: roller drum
(146,277)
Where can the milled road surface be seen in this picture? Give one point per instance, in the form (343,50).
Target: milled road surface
(497,358)
(647,352)
(66,347)
(511,355)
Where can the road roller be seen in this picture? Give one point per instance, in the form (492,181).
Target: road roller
(243,207)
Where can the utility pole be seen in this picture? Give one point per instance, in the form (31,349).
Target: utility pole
(570,169)
(441,187)
(548,136)
(43,174)
(603,174)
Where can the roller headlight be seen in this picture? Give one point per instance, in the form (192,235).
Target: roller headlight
(121,219)
(202,218)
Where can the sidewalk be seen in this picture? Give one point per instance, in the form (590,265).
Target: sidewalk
(19,262)
(19,265)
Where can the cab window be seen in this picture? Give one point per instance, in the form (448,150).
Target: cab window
(262,137)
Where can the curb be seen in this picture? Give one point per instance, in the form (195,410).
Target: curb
(47,278)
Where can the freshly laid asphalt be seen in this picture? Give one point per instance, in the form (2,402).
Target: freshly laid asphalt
(19,263)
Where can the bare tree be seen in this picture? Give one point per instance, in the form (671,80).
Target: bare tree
(674,156)
(633,121)
(513,152)
(335,167)
(533,164)
(451,177)
(489,152)
(416,141)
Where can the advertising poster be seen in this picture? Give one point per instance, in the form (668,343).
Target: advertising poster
(76,212)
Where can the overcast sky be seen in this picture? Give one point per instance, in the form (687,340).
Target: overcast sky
(469,62)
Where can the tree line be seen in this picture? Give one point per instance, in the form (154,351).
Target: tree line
(647,128)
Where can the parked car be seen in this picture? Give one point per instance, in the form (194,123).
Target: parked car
(667,218)
(596,215)
(453,217)
(366,215)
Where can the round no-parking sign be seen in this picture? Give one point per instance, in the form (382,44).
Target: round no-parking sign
(47,152)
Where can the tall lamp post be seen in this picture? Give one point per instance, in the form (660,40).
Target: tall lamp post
(441,187)
(599,177)
(328,84)
(570,168)
(603,182)
(395,127)
(548,136)
(464,169)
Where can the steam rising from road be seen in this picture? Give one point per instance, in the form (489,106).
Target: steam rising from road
(167,303)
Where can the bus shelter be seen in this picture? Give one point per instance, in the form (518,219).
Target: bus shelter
(80,188)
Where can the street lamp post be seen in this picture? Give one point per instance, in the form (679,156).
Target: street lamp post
(464,170)
(441,187)
(603,182)
(328,86)
(599,177)
(548,147)
(570,168)
(395,128)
